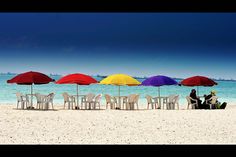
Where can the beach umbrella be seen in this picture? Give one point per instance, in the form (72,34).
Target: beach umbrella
(78,79)
(120,80)
(198,81)
(30,78)
(158,81)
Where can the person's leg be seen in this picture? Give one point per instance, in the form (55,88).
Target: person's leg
(222,106)
(207,106)
(200,104)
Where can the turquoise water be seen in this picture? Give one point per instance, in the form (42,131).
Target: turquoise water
(226,90)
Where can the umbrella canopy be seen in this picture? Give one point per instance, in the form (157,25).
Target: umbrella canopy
(120,80)
(158,81)
(30,78)
(198,81)
(78,79)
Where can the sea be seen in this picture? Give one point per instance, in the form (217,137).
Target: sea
(226,90)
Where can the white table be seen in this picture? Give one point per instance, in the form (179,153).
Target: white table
(75,96)
(30,96)
(121,98)
(163,99)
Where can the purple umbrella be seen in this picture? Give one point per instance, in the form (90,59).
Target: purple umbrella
(158,81)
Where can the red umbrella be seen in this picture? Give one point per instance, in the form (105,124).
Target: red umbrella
(198,81)
(30,78)
(78,79)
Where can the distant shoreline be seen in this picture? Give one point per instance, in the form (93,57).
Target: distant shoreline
(104,76)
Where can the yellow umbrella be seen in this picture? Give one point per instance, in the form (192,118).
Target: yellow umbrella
(120,80)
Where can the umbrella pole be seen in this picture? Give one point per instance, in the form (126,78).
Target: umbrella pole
(77,95)
(197,91)
(31,96)
(119,96)
(159,94)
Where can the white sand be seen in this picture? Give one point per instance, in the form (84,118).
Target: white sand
(117,126)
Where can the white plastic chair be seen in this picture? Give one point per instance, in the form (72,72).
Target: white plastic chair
(124,102)
(151,101)
(110,101)
(96,101)
(173,100)
(193,105)
(212,101)
(88,100)
(47,100)
(136,100)
(131,101)
(40,100)
(70,100)
(23,100)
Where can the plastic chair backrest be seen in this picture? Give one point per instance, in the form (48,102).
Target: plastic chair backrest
(51,96)
(149,98)
(108,98)
(98,97)
(136,98)
(176,99)
(188,99)
(65,96)
(171,98)
(39,97)
(90,97)
(19,96)
(131,98)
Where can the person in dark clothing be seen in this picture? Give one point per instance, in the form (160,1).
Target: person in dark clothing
(207,99)
(218,105)
(194,96)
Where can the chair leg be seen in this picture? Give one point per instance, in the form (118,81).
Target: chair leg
(137,106)
(81,105)
(17,104)
(93,105)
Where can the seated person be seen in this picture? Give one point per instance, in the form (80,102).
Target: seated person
(194,96)
(217,105)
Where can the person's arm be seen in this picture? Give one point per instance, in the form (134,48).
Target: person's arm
(193,96)
(208,99)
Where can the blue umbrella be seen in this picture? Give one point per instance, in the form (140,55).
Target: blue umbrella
(158,81)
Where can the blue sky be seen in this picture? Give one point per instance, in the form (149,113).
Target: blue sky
(141,44)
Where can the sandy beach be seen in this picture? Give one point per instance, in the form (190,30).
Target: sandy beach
(117,126)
